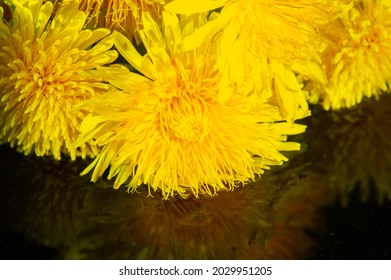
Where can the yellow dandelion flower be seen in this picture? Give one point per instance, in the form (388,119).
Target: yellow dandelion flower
(269,38)
(167,128)
(358,55)
(121,15)
(46,64)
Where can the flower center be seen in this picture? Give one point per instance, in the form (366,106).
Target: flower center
(372,36)
(185,118)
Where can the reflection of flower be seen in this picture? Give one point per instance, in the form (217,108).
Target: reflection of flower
(168,128)
(41,198)
(43,64)
(266,220)
(298,213)
(358,55)
(219,227)
(357,154)
(268,38)
(51,204)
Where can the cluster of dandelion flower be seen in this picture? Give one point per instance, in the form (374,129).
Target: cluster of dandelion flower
(168,127)
(204,93)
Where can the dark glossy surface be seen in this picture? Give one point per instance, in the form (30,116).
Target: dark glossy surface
(359,231)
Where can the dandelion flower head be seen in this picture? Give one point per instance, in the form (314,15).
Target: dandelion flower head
(358,55)
(46,61)
(166,126)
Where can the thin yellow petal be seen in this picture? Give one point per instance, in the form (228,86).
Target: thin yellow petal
(288,90)
(195,6)
(127,50)
(203,33)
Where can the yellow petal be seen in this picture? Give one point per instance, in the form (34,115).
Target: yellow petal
(44,16)
(291,129)
(172,31)
(225,90)
(126,49)
(312,70)
(195,6)
(208,30)
(288,90)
